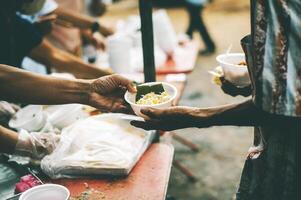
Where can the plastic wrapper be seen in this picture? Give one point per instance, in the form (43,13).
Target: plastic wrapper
(100,145)
(36,144)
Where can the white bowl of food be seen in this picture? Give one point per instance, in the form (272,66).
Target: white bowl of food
(46,192)
(160,95)
(30,118)
(234,68)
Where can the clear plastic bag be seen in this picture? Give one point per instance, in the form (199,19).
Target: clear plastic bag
(99,145)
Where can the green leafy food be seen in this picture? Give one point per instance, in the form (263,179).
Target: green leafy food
(145,89)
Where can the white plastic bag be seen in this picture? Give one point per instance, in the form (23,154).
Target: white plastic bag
(99,145)
(164,32)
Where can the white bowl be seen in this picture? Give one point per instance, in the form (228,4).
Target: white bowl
(46,192)
(30,118)
(62,116)
(131,98)
(236,74)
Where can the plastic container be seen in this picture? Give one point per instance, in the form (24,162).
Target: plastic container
(233,72)
(131,98)
(62,116)
(30,118)
(164,32)
(119,46)
(46,192)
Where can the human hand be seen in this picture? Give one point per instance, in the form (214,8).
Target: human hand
(173,118)
(106,93)
(96,39)
(36,144)
(231,89)
(106,31)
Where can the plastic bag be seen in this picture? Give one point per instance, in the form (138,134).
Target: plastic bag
(99,145)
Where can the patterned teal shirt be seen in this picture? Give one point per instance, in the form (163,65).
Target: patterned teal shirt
(276,44)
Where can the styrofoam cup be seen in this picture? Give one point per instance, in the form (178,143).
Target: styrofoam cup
(46,192)
(233,72)
(30,118)
(131,98)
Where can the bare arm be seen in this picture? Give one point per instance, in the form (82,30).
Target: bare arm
(80,21)
(241,114)
(62,61)
(22,86)
(105,93)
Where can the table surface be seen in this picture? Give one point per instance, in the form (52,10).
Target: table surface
(147,181)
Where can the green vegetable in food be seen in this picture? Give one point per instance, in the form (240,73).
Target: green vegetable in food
(145,89)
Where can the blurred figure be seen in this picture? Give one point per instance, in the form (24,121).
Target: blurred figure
(20,38)
(71,28)
(196,23)
(97,8)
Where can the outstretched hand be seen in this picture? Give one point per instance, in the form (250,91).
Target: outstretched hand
(172,118)
(107,93)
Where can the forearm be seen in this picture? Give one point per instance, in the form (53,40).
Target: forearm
(20,86)
(8,140)
(80,21)
(65,62)
(241,114)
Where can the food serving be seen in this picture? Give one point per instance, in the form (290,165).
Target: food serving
(234,68)
(151,95)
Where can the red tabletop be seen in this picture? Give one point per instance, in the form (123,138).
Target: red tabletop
(147,181)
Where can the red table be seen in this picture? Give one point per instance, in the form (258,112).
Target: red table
(147,181)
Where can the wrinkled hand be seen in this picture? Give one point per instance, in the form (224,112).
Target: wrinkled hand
(233,90)
(107,93)
(172,118)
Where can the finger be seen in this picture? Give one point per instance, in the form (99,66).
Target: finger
(122,81)
(143,125)
(150,112)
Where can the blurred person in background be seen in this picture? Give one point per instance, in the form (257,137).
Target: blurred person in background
(272,170)
(65,25)
(20,38)
(196,23)
(71,27)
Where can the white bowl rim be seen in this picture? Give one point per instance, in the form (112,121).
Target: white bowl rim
(152,83)
(13,122)
(45,185)
(219,58)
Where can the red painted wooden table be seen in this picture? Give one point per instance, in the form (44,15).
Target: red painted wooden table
(147,181)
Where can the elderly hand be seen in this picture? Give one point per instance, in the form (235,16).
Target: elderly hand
(106,93)
(231,89)
(173,118)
